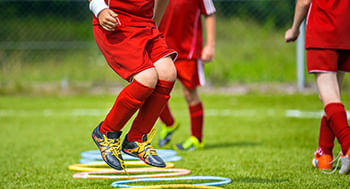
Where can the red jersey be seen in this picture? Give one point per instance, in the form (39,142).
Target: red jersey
(328,24)
(182,28)
(132,12)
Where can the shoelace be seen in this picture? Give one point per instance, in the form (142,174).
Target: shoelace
(147,144)
(114,147)
(336,166)
(113,144)
(151,134)
(150,148)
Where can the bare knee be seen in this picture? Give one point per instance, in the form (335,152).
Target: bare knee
(191,96)
(166,69)
(169,75)
(147,77)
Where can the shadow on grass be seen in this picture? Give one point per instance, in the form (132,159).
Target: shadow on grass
(258,180)
(233,144)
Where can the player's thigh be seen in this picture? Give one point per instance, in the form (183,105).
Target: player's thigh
(344,66)
(148,77)
(191,96)
(327,84)
(165,69)
(161,56)
(340,78)
(326,65)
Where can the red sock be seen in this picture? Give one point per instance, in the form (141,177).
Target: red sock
(150,110)
(336,116)
(128,101)
(196,116)
(326,138)
(166,117)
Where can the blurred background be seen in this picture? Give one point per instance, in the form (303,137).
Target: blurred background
(47,46)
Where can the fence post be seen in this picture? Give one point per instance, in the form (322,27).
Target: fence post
(301,58)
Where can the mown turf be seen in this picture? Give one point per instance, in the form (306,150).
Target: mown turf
(248,139)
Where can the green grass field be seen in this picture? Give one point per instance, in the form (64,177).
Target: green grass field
(249,139)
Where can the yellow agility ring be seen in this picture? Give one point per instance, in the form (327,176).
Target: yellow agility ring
(116,174)
(99,166)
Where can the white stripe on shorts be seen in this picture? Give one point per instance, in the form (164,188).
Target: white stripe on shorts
(201,74)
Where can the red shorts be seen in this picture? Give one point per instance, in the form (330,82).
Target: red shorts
(190,72)
(130,50)
(327,60)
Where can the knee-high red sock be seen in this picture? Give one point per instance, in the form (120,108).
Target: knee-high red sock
(150,110)
(128,101)
(166,117)
(336,115)
(196,116)
(326,138)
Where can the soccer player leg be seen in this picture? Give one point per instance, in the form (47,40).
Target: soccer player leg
(323,157)
(191,75)
(117,53)
(195,108)
(166,117)
(130,100)
(328,87)
(107,135)
(168,127)
(137,143)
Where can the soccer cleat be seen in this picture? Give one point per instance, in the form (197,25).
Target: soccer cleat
(191,143)
(109,147)
(345,163)
(323,162)
(166,134)
(143,150)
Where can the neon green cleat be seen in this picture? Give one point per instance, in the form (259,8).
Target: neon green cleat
(166,134)
(191,143)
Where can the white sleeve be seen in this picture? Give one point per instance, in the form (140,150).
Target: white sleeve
(209,7)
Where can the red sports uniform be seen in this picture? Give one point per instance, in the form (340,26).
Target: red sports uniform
(328,50)
(328,36)
(135,44)
(182,28)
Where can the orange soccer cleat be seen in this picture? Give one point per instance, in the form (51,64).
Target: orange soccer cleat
(324,161)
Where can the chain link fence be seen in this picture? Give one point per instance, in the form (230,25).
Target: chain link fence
(66,24)
(35,32)
(44,24)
